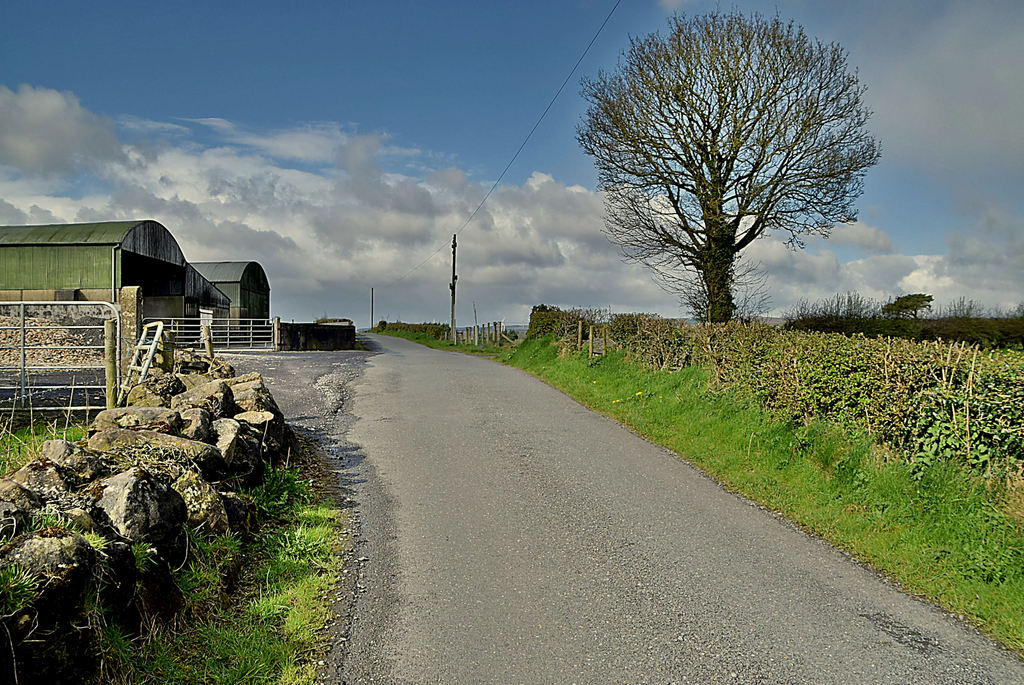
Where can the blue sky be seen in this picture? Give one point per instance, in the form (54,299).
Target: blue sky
(341,144)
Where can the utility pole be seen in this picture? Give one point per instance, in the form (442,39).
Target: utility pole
(452,286)
(372,324)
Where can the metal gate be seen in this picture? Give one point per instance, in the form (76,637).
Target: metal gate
(51,355)
(227,334)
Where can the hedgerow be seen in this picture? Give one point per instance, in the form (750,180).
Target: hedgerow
(928,400)
(435,330)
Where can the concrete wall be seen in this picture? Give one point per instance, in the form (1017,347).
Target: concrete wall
(313,336)
(78,294)
(166,307)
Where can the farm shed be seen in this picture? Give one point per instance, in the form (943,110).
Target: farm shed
(94,261)
(245,284)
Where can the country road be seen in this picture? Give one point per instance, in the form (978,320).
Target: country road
(514,536)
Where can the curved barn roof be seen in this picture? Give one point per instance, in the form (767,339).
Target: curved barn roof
(147,238)
(250,274)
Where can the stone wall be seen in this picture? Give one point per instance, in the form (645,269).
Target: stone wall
(107,517)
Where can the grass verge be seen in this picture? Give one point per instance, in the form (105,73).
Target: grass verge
(943,533)
(264,624)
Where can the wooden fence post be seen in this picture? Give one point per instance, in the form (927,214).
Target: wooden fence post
(591,343)
(209,341)
(604,347)
(579,335)
(110,361)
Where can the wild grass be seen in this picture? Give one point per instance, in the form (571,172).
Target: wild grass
(946,533)
(18,446)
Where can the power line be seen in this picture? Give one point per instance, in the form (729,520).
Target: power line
(543,114)
(522,145)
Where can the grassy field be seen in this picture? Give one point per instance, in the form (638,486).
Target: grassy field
(944,534)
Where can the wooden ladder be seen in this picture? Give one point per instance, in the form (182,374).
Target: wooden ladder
(145,349)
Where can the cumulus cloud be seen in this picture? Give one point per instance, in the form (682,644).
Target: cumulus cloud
(870,239)
(44,131)
(323,236)
(328,226)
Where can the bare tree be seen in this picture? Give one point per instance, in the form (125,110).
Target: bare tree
(727,127)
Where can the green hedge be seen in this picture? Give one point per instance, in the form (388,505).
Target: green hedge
(435,330)
(548,320)
(995,332)
(928,400)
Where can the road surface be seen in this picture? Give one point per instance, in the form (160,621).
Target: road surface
(513,536)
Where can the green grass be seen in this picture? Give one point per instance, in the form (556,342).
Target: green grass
(942,533)
(21,445)
(270,629)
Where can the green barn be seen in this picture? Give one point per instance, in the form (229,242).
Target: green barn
(94,261)
(245,284)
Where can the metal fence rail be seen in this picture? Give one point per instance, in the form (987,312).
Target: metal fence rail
(233,334)
(47,364)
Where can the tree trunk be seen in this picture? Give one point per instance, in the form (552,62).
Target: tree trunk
(717,275)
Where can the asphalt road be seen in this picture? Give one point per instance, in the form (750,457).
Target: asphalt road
(514,536)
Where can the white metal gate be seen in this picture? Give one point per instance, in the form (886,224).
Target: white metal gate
(51,355)
(229,334)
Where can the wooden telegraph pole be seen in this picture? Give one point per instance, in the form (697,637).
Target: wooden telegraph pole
(452,287)
(372,323)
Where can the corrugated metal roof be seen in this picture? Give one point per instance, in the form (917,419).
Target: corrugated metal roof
(105,233)
(221,271)
(147,238)
(250,274)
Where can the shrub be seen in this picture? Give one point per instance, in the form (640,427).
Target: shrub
(434,330)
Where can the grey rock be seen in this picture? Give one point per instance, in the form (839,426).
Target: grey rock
(197,425)
(163,383)
(215,397)
(78,464)
(160,448)
(18,495)
(227,432)
(268,428)
(158,419)
(192,380)
(203,505)
(61,560)
(43,477)
(245,378)
(141,396)
(12,520)
(143,507)
(254,396)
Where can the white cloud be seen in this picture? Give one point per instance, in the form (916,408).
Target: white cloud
(870,239)
(309,143)
(326,236)
(44,131)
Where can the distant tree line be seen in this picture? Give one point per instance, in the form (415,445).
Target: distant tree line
(912,317)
